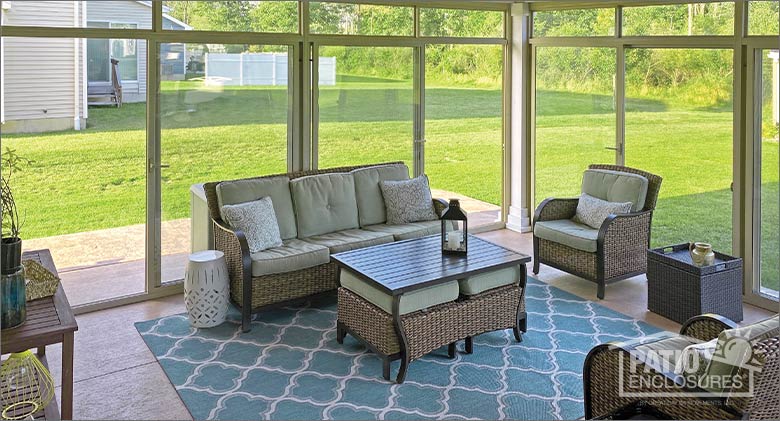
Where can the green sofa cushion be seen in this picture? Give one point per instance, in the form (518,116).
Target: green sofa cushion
(277,188)
(493,279)
(410,230)
(615,186)
(293,255)
(371,205)
(410,302)
(569,233)
(324,203)
(347,240)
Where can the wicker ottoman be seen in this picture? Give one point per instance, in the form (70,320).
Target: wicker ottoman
(432,328)
(679,290)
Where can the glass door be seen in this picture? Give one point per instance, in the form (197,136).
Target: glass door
(224,114)
(767,141)
(575,118)
(679,125)
(364,105)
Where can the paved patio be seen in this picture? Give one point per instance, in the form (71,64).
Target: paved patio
(110,263)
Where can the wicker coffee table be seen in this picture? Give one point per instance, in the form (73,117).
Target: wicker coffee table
(399,269)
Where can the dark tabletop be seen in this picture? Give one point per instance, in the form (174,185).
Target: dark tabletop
(404,266)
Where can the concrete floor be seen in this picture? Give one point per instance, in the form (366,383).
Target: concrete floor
(117,377)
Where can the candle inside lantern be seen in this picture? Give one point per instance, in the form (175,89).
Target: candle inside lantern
(454,239)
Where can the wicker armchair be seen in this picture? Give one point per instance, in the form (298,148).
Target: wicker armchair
(607,363)
(622,241)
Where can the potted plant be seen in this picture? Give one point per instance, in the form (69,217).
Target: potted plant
(11,222)
(13,302)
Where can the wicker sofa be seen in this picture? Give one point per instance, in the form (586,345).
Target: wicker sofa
(606,364)
(616,251)
(319,212)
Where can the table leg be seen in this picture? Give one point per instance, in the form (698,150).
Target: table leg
(41,351)
(403,342)
(340,332)
(66,408)
(521,319)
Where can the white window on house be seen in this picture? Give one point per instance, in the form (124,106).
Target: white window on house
(101,51)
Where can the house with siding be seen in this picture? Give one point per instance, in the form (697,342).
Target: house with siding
(45,81)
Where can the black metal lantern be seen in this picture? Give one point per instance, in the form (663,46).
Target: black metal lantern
(454,230)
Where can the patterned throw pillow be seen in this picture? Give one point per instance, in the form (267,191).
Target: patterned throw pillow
(408,200)
(257,221)
(592,211)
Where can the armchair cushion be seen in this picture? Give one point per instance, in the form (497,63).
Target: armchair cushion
(731,354)
(616,186)
(247,190)
(371,205)
(324,203)
(569,233)
(293,255)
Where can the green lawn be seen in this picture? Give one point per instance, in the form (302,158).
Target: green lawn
(95,179)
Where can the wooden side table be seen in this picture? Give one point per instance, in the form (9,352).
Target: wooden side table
(49,321)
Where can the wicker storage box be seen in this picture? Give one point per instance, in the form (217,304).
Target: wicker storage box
(679,290)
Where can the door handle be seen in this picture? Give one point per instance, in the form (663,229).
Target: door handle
(161,166)
(612,148)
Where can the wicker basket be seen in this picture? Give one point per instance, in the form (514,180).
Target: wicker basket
(679,290)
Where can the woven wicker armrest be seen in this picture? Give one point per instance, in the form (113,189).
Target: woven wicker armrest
(614,376)
(706,327)
(765,404)
(623,241)
(552,209)
(239,263)
(439,205)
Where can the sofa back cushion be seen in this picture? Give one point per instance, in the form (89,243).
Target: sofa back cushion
(324,203)
(370,203)
(616,186)
(248,190)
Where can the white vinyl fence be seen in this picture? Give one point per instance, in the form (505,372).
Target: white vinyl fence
(259,69)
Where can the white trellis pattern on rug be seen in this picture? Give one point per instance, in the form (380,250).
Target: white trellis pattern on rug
(291,367)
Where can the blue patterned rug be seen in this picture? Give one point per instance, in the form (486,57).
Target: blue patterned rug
(291,367)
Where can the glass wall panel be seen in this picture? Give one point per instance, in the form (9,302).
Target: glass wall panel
(360,19)
(461,23)
(679,125)
(366,105)
(575,116)
(234,16)
(226,122)
(82,194)
(715,18)
(463,127)
(574,23)
(770,172)
(77,14)
(764,17)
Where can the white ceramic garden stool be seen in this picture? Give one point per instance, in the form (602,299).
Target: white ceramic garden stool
(206,288)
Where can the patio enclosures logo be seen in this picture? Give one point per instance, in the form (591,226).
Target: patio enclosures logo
(658,367)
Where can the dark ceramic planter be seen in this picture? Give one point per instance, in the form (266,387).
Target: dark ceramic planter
(11,255)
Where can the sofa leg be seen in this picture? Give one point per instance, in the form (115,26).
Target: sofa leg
(600,292)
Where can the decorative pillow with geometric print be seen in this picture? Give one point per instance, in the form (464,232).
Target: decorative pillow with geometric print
(257,220)
(408,200)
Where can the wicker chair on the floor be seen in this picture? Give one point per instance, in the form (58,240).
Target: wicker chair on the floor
(621,243)
(617,374)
